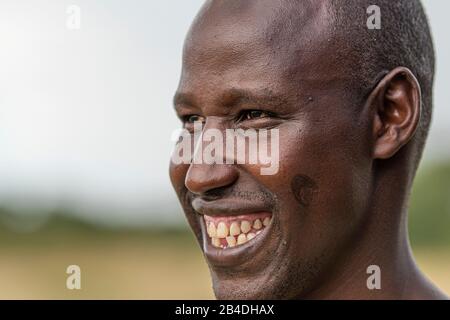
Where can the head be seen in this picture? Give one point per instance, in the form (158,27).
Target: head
(352,107)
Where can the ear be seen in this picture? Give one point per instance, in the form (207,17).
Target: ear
(397,107)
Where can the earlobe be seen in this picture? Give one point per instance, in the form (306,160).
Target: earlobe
(397,107)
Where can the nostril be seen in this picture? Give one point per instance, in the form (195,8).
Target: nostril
(210,179)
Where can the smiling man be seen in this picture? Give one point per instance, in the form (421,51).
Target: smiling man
(352,108)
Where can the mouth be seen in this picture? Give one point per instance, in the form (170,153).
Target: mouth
(227,232)
(235,241)
(235,232)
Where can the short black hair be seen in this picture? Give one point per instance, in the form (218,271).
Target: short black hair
(404,40)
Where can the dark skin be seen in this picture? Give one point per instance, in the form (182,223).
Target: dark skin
(339,199)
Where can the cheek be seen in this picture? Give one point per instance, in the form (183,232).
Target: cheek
(177,173)
(322,182)
(328,178)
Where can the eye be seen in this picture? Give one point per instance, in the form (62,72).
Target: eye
(253,114)
(192,118)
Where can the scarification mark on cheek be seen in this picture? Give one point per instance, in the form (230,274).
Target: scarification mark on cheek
(303,188)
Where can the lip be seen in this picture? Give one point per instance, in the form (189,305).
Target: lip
(227,207)
(231,256)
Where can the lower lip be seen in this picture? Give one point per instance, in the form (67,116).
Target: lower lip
(230,256)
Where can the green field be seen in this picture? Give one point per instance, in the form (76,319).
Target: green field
(129,265)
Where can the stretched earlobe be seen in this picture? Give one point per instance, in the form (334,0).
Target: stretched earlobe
(396,112)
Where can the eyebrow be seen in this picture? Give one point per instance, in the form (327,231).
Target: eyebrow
(235,97)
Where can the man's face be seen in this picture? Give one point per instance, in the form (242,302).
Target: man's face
(245,67)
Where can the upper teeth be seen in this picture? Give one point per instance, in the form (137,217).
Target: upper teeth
(212,232)
(234,228)
(245,226)
(257,224)
(238,232)
(222,230)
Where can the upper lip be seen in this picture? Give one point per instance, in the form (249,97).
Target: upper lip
(227,207)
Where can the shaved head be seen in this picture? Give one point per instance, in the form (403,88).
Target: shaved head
(360,56)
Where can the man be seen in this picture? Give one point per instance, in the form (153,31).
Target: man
(352,106)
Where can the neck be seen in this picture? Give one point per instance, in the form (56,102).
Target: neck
(382,241)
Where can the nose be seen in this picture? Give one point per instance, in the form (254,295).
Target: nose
(202,178)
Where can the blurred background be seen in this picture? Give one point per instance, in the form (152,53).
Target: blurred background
(85,126)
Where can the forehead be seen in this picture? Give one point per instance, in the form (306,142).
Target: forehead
(257,44)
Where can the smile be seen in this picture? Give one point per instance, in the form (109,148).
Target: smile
(230,231)
(236,240)
(235,232)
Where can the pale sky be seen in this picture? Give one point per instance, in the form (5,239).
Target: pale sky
(86,115)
